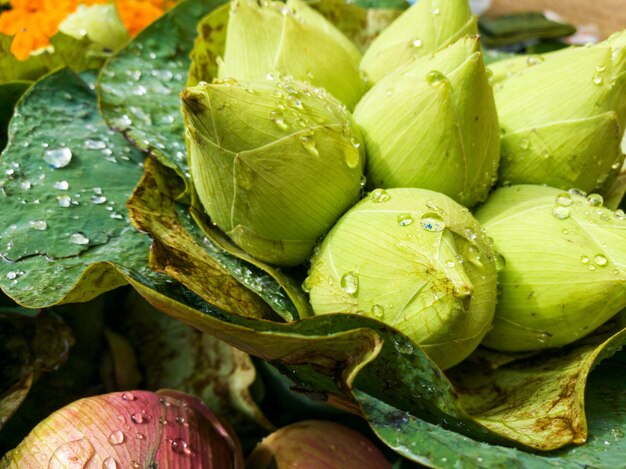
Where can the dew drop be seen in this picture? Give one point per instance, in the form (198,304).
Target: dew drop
(564,199)
(524,144)
(436,11)
(38,225)
(434,77)
(61,185)
(379,196)
(600,260)
(350,282)
(137,418)
(98,199)
(91,144)
(179,446)
(78,238)
(128,396)
(109,463)
(619,214)
(58,157)
(500,262)
(308,142)
(64,201)
(116,438)
(378,311)
(26,185)
(432,222)
(560,213)
(595,200)
(403,346)
(472,254)
(584,259)
(405,219)
(11,275)
(417,43)
(278,119)
(597,80)
(72,455)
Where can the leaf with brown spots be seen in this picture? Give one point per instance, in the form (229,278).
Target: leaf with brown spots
(209,45)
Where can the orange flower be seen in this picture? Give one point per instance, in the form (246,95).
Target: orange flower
(34,22)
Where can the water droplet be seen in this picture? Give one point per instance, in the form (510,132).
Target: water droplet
(500,262)
(405,219)
(116,438)
(472,254)
(417,43)
(355,142)
(139,436)
(137,418)
(584,259)
(379,196)
(619,214)
(98,199)
(436,11)
(600,260)
(403,346)
(38,225)
(26,185)
(278,119)
(432,222)
(11,275)
(78,238)
(577,192)
(64,201)
(308,142)
(58,157)
(389,92)
(350,282)
(72,455)
(91,144)
(109,463)
(128,396)
(524,144)
(121,123)
(597,80)
(61,185)
(180,446)
(378,311)
(595,200)
(559,212)
(180,420)
(434,77)
(564,199)
(617,433)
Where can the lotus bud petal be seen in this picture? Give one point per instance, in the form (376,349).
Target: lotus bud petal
(566,132)
(416,260)
(100,23)
(292,39)
(130,429)
(423,28)
(440,130)
(257,155)
(544,233)
(317,444)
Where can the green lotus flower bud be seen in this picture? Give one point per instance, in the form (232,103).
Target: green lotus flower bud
(292,39)
(257,154)
(131,429)
(426,26)
(316,444)
(100,23)
(441,129)
(416,260)
(562,119)
(565,259)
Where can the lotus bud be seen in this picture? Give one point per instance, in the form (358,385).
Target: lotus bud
(440,130)
(564,265)
(413,259)
(565,133)
(257,154)
(423,28)
(292,39)
(316,444)
(100,23)
(130,429)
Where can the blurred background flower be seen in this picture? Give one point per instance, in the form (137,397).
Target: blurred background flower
(34,22)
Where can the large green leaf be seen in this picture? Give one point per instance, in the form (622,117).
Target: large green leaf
(140,85)
(65,181)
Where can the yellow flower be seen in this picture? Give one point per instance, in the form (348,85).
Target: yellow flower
(34,22)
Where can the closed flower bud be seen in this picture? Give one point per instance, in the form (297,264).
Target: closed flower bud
(440,128)
(100,23)
(416,260)
(426,26)
(291,39)
(274,164)
(562,119)
(130,430)
(563,274)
